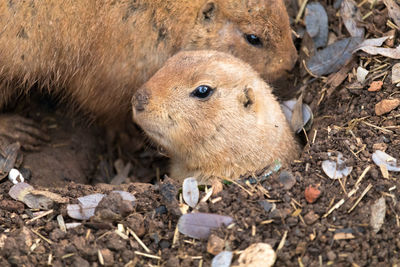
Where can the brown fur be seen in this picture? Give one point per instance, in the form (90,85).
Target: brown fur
(239,129)
(97,53)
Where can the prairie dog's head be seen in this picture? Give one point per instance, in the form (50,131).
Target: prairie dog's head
(211,110)
(256,31)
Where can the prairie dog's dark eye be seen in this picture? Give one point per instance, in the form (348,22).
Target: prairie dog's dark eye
(253,39)
(202,92)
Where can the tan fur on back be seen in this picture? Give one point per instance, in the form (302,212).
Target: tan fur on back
(97,53)
(239,129)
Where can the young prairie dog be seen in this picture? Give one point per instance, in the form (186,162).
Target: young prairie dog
(97,53)
(214,116)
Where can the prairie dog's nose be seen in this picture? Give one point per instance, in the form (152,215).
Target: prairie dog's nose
(141,99)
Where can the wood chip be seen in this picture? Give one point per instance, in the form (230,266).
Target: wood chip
(386,106)
(341,236)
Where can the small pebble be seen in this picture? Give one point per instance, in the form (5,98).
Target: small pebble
(292,221)
(311,217)
(312,193)
(164,244)
(287,180)
(301,248)
(375,86)
(267,206)
(361,74)
(278,214)
(15,176)
(107,256)
(378,212)
(78,261)
(331,255)
(136,223)
(161,210)
(172,262)
(215,244)
(258,254)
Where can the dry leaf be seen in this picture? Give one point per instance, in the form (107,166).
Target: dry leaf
(371,46)
(53,196)
(316,21)
(19,191)
(87,205)
(386,52)
(393,10)
(372,42)
(379,157)
(351,15)
(35,199)
(396,73)
(294,114)
(199,225)
(297,121)
(333,57)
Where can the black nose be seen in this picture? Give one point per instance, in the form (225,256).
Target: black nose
(141,99)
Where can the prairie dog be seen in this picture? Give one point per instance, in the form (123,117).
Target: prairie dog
(214,116)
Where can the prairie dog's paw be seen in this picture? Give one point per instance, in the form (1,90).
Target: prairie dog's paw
(22,130)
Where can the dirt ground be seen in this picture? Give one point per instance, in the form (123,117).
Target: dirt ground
(274,211)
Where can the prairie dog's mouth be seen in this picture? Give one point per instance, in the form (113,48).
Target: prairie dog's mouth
(153,133)
(163,143)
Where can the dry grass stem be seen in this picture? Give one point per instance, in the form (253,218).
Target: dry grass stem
(362,195)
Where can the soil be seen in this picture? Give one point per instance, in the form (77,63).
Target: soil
(79,161)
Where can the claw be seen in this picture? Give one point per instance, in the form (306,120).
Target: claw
(22,130)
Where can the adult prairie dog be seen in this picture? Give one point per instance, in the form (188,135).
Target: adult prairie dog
(97,53)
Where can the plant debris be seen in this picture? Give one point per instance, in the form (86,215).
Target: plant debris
(223,259)
(381,158)
(351,16)
(316,21)
(35,199)
(199,225)
(378,211)
(88,204)
(190,191)
(336,169)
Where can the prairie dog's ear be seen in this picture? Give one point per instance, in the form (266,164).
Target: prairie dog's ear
(247,98)
(252,101)
(207,12)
